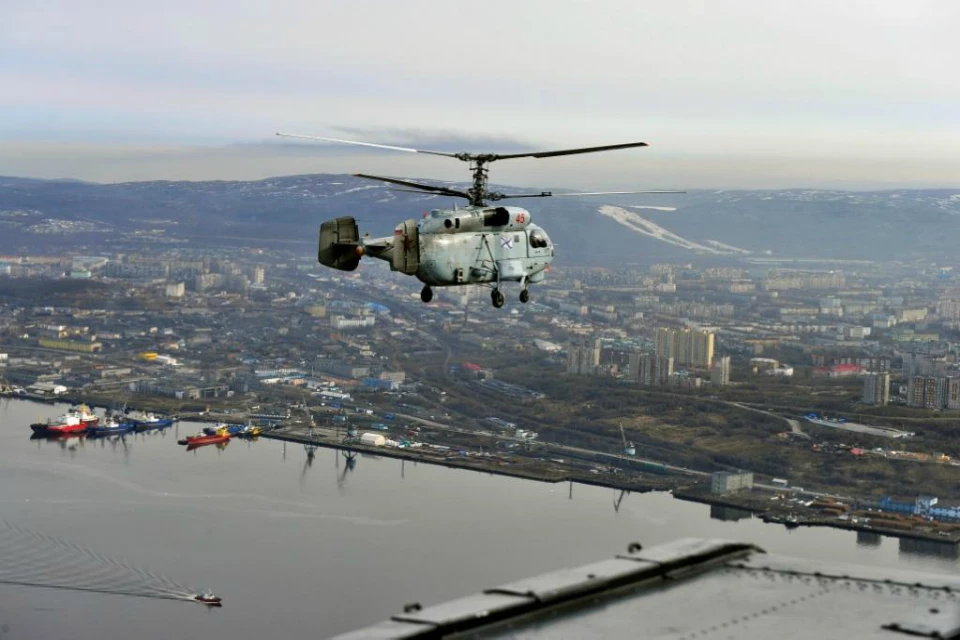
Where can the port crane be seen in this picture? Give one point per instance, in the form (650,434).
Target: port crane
(628,447)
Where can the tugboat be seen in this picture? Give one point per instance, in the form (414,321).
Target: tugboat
(209,599)
(146,421)
(112,425)
(203,438)
(223,427)
(75,420)
(250,432)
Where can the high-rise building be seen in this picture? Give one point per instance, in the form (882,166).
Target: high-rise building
(928,392)
(259,274)
(689,347)
(720,374)
(953,393)
(876,388)
(654,370)
(583,360)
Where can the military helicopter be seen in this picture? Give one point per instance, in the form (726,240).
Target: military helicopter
(478,244)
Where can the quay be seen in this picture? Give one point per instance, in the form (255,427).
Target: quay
(599,470)
(512,465)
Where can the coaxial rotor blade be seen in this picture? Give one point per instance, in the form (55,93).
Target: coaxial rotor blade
(416,185)
(369,144)
(611,193)
(550,194)
(567,152)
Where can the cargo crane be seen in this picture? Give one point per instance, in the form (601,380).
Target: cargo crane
(628,447)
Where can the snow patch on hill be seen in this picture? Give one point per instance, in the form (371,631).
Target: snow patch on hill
(645,227)
(644,206)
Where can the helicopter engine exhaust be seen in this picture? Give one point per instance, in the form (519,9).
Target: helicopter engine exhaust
(340,246)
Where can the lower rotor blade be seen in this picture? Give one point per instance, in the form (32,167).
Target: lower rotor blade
(416,185)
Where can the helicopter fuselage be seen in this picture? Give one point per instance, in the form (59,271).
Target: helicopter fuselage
(475,245)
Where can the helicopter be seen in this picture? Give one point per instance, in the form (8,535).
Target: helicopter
(480,244)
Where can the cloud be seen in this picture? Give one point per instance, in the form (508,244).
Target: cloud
(745,78)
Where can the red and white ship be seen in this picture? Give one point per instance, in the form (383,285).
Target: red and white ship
(75,420)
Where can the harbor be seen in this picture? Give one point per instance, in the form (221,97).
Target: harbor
(360,436)
(773,505)
(299,540)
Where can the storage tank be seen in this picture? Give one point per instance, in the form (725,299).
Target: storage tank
(373,439)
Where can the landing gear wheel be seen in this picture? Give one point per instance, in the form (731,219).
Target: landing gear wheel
(426,294)
(524,296)
(497,298)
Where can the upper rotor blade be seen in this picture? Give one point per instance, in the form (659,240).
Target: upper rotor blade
(550,194)
(612,193)
(416,185)
(368,144)
(568,152)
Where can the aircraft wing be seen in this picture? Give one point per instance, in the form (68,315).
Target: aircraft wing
(693,588)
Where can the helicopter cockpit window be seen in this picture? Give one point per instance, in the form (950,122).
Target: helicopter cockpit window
(538,239)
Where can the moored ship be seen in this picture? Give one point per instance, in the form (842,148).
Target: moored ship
(143,421)
(112,425)
(221,435)
(75,420)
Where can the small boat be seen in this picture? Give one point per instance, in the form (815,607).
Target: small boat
(209,599)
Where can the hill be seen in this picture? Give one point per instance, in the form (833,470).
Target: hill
(602,231)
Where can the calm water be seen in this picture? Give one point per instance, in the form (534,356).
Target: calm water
(314,549)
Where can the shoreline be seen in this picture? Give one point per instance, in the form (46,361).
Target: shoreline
(555,472)
(662,483)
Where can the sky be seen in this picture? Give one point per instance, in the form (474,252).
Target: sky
(732,94)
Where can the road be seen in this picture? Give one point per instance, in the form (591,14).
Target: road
(794,424)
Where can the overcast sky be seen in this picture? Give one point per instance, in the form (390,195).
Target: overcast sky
(739,93)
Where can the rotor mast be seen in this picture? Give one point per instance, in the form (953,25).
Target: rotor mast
(481,175)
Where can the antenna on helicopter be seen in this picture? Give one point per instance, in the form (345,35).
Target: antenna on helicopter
(478,193)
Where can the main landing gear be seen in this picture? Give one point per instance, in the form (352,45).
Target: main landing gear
(426,294)
(496,297)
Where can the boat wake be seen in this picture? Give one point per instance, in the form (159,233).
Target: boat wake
(29,558)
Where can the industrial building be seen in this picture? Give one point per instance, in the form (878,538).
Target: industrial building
(724,482)
(71,345)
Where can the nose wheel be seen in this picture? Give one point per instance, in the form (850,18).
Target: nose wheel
(426,294)
(496,297)
(524,296)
